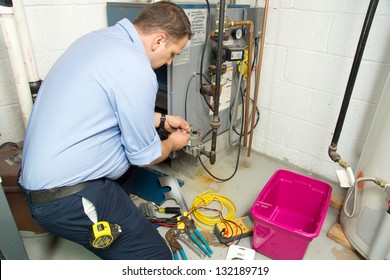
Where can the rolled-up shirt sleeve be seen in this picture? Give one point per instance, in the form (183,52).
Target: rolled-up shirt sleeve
(133,101)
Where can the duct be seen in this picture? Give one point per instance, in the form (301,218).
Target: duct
(11,39)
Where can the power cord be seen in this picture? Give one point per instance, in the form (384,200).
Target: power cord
(206,217)
(206,220)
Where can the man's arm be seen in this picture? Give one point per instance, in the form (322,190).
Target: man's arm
(176,141)
(178,137)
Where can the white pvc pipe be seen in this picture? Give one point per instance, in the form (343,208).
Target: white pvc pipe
(25,41)
(11,39)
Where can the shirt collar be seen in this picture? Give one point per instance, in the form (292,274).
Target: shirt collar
(129,28)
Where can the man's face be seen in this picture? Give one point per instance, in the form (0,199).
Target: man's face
(167,50)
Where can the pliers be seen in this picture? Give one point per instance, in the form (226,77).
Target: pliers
(194,234)
(175,245)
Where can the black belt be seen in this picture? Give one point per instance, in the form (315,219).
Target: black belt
(49,195)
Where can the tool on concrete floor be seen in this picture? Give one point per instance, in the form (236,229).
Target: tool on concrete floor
(194,234)
(149,209)
(186,231)
(175,246)
(230,230)
(183,237)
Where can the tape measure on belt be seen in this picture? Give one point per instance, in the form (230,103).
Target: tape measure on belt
(103,234)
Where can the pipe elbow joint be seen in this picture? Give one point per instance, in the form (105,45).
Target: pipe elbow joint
(332,152)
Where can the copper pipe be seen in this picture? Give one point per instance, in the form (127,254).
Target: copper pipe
(249,23)
(257,85)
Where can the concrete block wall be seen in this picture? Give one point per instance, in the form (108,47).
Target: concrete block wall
(53,26)
(308,54)
(309,49)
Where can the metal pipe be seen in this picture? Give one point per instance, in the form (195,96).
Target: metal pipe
(352,78)
(250,24)
(216,123)
(257,84)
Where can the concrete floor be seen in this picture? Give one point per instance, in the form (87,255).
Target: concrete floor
(243,188)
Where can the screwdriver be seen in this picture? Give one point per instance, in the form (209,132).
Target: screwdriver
(169,210)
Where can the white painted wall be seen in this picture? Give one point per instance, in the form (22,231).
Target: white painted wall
(308,56)
(309,49)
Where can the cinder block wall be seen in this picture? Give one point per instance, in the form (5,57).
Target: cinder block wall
(308,53)
(309,50)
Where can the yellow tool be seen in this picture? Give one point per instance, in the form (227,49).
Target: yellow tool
(229,231)
(103,234)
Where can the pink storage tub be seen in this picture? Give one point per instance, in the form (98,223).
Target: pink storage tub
(288,214)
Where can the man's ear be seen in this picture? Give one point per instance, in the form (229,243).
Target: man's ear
(158,40)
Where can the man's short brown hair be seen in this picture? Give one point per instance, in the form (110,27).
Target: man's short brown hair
(166,17)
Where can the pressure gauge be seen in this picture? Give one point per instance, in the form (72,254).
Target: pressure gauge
(237,33)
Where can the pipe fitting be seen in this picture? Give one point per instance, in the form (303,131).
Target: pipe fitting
(207,90)
(382,184)
(204,152)
(332,152)
(215,123)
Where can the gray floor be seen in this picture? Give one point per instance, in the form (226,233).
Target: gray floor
(243,189)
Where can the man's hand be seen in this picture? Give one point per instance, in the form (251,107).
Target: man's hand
(174,123)
(179,139)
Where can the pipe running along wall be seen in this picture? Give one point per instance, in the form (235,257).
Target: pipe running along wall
(27,49)
(11,39)
(332,151)
(257,84)
(215,122)
(249,72)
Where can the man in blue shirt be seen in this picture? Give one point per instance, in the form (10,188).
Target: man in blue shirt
(92,120)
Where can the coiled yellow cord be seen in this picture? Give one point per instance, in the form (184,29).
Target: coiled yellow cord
(207,221)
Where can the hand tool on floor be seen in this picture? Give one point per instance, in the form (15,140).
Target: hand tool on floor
(194,234)
(149,209)
(183,237)
(186,231)
(175,246)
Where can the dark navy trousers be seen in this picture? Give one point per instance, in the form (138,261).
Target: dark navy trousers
(66,218)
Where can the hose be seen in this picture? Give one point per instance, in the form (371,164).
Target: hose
(354,193)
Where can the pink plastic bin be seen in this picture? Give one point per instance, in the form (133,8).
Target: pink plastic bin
(288,214)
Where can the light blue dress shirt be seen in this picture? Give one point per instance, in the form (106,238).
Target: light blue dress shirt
(94,114)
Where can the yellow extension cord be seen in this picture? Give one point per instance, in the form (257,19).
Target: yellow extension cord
(207,221)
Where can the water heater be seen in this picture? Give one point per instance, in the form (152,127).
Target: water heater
(365,217)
